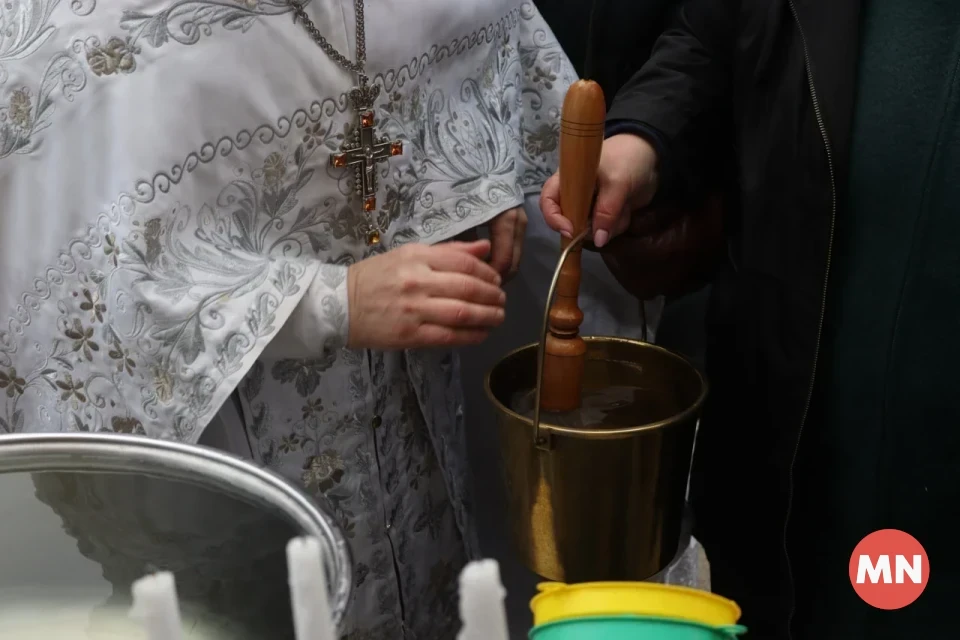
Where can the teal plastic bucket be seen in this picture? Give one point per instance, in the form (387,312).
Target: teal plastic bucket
(632,628)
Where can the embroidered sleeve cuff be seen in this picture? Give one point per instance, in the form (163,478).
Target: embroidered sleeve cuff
(321,320)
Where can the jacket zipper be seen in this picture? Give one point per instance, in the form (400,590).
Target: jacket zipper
(823,307)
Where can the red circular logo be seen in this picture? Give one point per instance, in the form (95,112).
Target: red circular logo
(889,569)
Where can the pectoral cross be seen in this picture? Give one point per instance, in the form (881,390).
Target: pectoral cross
(365,150)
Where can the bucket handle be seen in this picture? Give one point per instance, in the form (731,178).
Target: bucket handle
(542,440)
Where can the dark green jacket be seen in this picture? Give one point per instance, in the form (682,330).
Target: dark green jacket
(884,446)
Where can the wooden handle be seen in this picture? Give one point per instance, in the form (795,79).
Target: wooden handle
(581,137)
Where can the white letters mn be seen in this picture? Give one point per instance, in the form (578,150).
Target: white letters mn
(882,569)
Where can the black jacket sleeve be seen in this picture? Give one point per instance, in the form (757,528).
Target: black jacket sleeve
(683,90)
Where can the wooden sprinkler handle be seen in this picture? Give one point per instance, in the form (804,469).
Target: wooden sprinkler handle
(581,137)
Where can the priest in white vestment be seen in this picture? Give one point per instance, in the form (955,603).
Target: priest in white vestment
(197,211)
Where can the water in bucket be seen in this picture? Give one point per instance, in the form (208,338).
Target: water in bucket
(603,408)
(609,405)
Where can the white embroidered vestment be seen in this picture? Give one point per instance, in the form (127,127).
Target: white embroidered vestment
(167,202)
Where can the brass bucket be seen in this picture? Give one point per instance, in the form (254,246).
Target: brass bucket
(598,504)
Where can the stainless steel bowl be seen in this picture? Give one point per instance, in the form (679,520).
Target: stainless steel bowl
(134,505)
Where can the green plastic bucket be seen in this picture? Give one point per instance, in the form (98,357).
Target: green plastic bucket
(632,628)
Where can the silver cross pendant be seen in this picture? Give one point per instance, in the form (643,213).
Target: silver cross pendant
(364,150)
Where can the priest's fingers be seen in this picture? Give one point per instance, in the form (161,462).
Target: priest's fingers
(447,312)
(502,235)
(432,335)
(520,234)
(459,286)
(479,248)
(550,207)
(460,260)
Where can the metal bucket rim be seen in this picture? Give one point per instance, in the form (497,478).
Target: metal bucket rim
(605,434)
(69,450)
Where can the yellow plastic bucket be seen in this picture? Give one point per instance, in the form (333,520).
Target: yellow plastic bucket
(557,601)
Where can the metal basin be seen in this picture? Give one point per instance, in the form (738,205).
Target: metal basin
(85,515)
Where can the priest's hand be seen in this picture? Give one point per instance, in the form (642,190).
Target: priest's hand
(507,232)
(626,181)
(424,295)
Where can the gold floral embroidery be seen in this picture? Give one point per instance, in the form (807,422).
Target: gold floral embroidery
(312,408)
(289,443)
(542,140)
(92,304)
(314,135)
(110,248)
(321,473)
(162,384)
(72,390)
(121,355)
(82,338)
(116,56)
(27,111)
(13,383)
(126,425)
(21,108)
(544,77)
(274,169)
